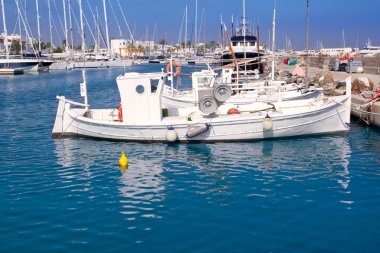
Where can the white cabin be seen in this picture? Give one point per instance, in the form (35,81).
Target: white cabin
(140,96)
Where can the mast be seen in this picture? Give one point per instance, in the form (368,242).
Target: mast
(258,46)
(196,26)
(221,32)
(19,28)
(107,33)
(343,40)
(26,31)
(83,85)
(50,29)
(307,45)
(5,30)
(71,30)
(65,21)
(232,25)
(185,28)
(38,28)
(244,33)
(273,38)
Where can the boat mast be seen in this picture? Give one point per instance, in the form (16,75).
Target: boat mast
(38,29)
(5,30)
(71,31)
(196,26)
(83,85)
(65,21)
(185,29)
(107,33)
(19,28)
(26,31)
(244,33)
(273,38)
(307,45)
(50,27)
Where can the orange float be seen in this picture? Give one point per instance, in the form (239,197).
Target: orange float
(120,114)
(177,68)
(233,111)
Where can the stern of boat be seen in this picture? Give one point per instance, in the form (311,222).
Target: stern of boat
(58,128)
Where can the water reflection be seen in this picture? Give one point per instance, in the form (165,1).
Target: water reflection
(217,171)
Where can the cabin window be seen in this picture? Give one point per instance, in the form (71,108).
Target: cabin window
(204,81)
(154,85)
(140,89)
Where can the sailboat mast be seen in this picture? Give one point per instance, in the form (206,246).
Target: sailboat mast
(5,30)
(273,38)
(185,28)
(38,28)
(244,33)
(84,83)
(71,30)
(307,45)
(196,26)
(65,22)
(19,28)
(107,33)
(50,28)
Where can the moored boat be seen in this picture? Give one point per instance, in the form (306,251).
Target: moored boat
(244,90)
(141,116)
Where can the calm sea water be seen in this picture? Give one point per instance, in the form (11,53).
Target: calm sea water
(314,194)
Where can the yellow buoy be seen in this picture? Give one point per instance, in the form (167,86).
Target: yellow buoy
(123,161)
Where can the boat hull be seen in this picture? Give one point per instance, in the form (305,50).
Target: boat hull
(331,118)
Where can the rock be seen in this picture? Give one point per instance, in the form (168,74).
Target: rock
(362,84)
(328,77)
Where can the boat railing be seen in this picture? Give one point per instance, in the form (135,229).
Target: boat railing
(62,98)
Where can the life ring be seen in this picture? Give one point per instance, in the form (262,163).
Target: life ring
(177,68)
(120,114)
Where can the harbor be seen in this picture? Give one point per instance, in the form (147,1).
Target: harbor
(137,143)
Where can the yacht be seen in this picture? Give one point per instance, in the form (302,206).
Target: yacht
(244,46)
(370,50)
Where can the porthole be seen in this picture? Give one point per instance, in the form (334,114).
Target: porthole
(140,89)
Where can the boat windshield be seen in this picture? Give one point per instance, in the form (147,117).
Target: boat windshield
(204,81)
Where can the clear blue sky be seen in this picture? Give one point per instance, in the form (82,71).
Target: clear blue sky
(328,19)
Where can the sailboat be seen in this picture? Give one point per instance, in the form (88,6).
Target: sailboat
(10,66)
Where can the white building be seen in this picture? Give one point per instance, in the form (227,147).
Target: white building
(123,47)
(335,51)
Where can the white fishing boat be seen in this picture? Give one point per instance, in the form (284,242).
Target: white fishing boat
(141,116)
(244,90)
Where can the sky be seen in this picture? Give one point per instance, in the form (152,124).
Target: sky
(332,22)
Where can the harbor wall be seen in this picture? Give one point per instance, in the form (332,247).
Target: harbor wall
(371,65)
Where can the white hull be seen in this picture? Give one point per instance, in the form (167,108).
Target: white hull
(295,118)
(119,63)
(182,99)
(61,65)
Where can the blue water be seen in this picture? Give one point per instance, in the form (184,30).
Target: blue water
(314,194)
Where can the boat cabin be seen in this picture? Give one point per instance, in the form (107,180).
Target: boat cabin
(140,96)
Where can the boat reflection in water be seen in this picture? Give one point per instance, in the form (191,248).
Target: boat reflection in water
(215,172)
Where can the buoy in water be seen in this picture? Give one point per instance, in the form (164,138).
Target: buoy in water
(123,161)
(123,169)
(267,123)
(171,135)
